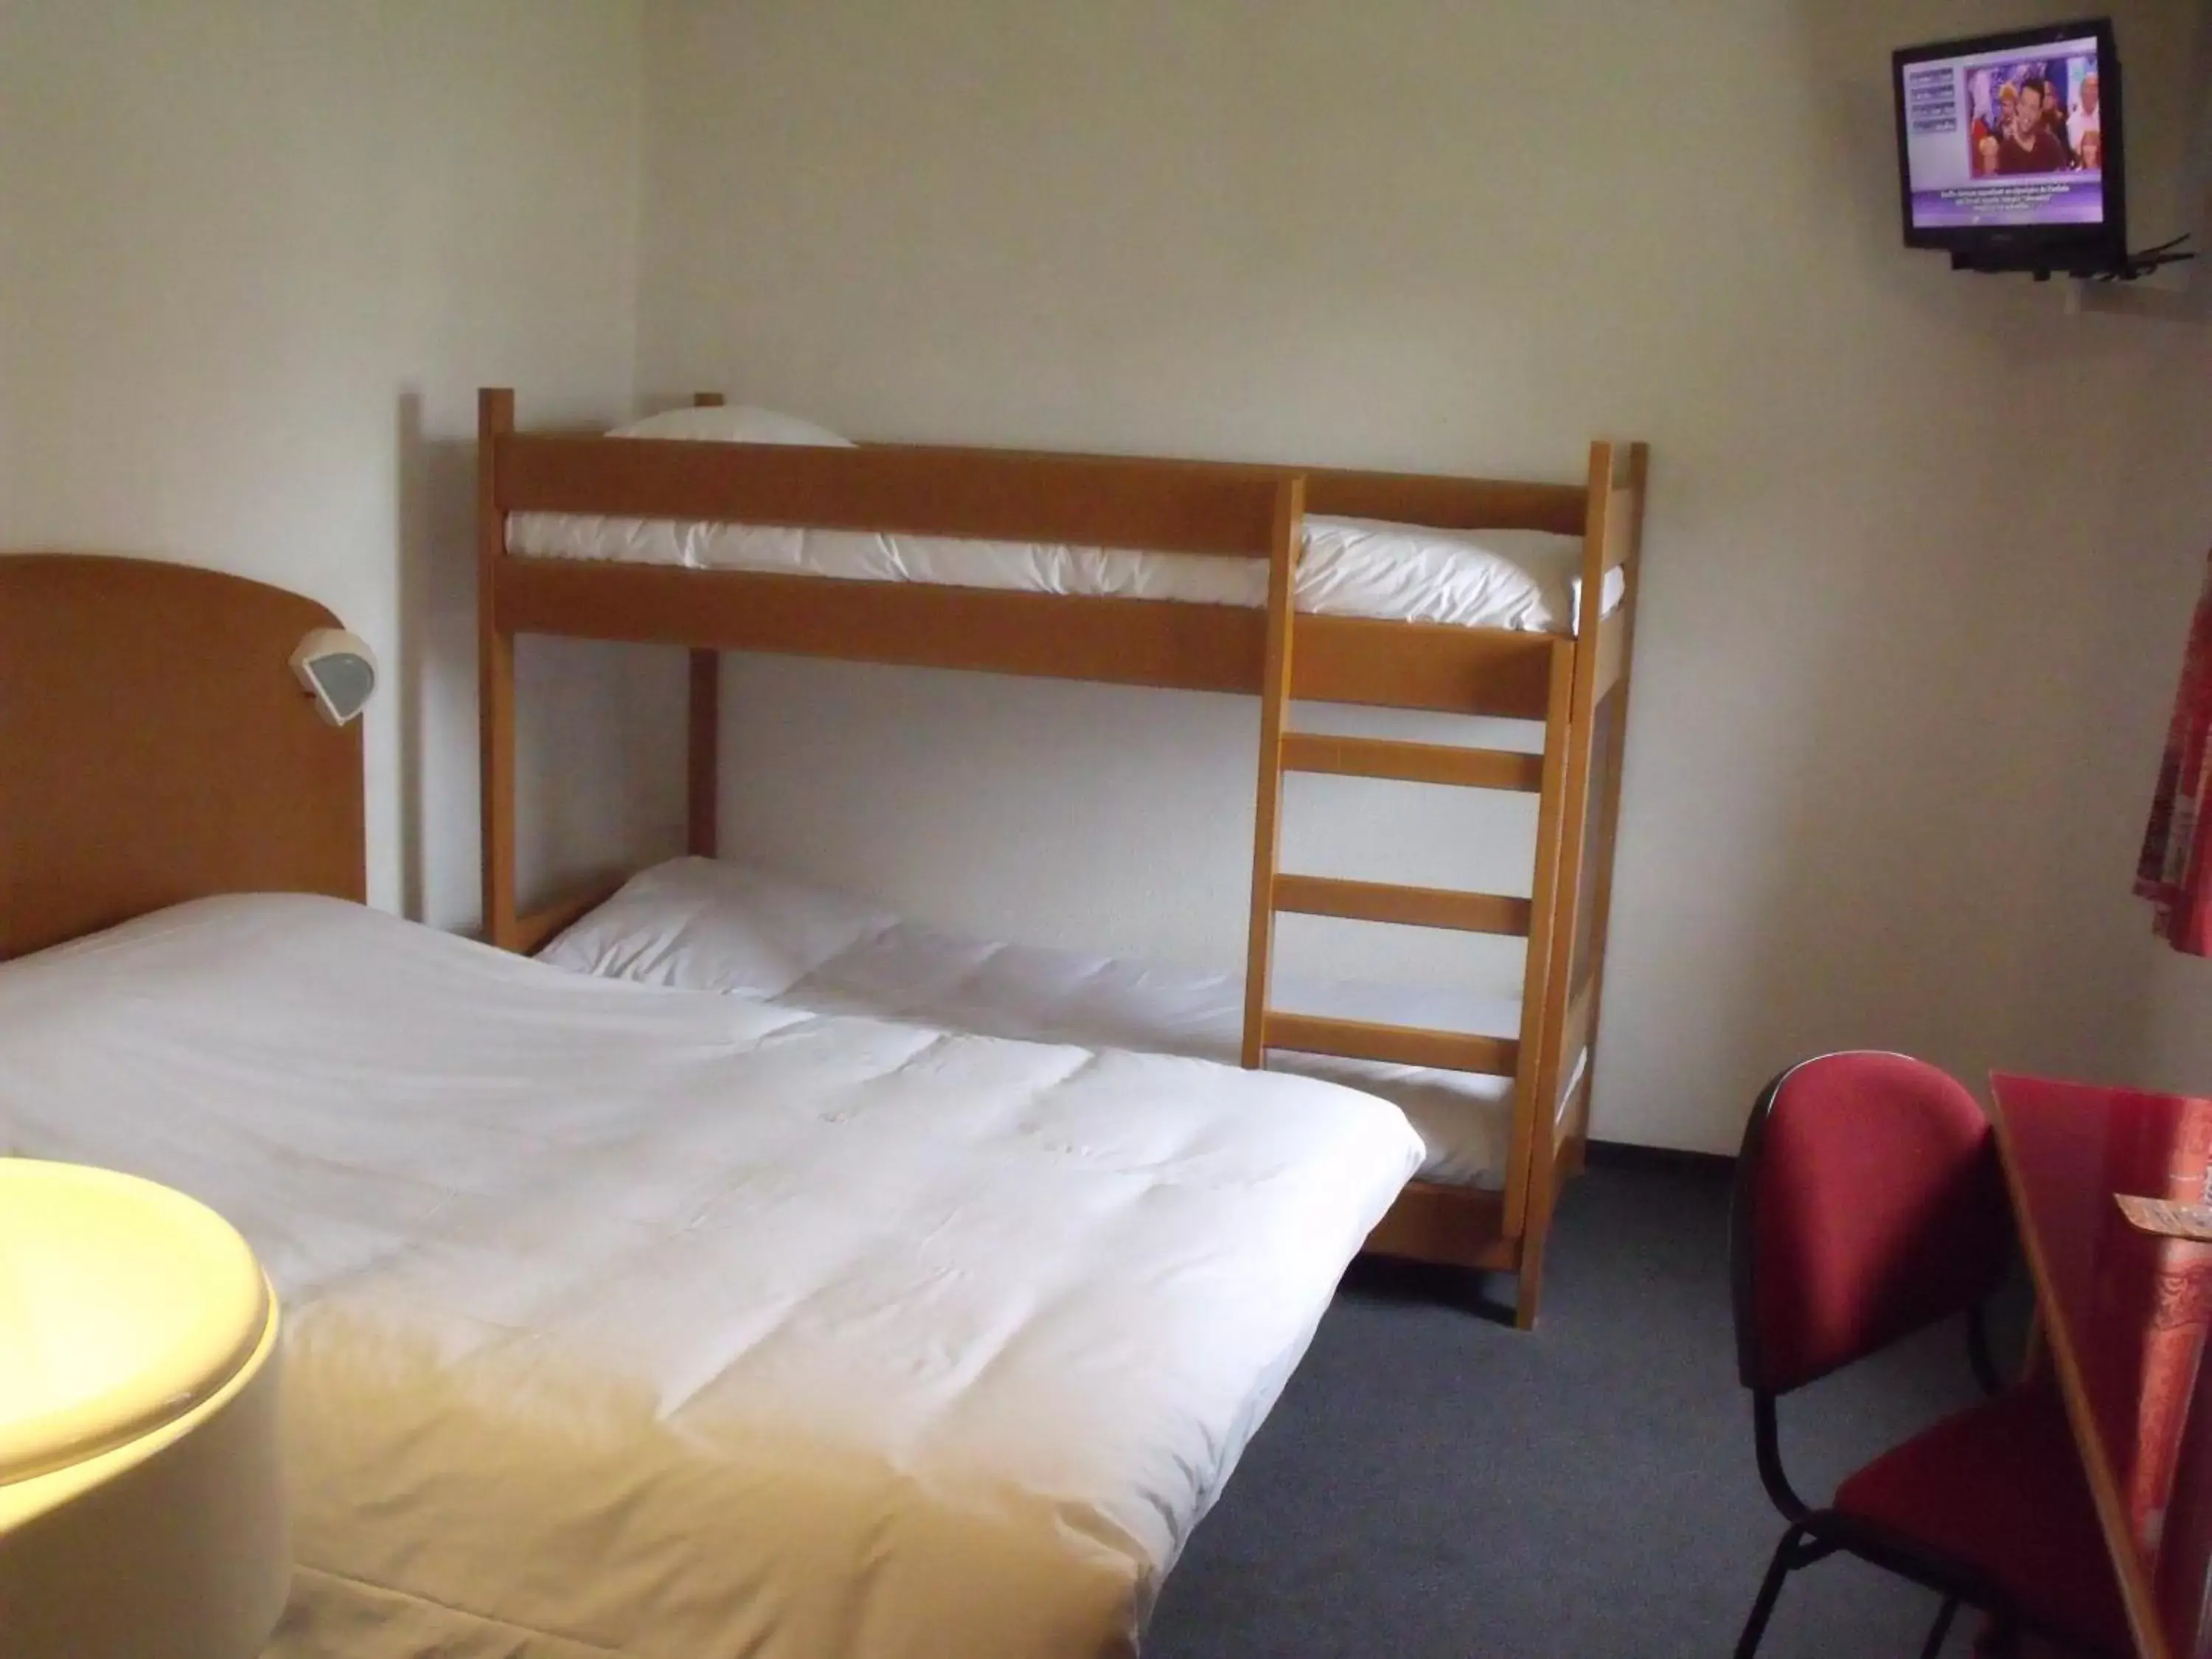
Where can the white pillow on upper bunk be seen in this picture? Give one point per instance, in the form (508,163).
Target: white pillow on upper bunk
(733,423)
(1524,579)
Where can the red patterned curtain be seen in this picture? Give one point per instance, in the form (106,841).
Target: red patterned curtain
(2175,871)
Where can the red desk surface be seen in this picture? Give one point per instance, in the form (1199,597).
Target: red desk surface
(2124,1314)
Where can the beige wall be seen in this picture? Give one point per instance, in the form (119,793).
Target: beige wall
(1921,544)
(255,259)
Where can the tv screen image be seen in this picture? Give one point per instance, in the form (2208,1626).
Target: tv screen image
(2012,136)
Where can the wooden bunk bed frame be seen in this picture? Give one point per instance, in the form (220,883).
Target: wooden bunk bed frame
(1577,684)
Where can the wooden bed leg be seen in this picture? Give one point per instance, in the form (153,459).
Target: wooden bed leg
(1267,821)
(1563,982)
(703,758)
(1530,1146)
(1529,1292)
(1612,755)
(494,676)
(1574,1155)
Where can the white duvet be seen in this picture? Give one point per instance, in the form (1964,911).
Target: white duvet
(624,1321)
(709,924)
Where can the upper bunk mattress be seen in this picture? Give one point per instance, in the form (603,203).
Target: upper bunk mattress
(1524,579)
(714,925)
(625,1321)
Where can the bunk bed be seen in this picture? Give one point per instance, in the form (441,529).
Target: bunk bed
(1576,682)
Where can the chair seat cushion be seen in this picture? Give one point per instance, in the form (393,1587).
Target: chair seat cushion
(1998,1489)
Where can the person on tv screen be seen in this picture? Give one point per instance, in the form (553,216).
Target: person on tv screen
(2054,113)
(2086,115)
(2028,144)
(2090,157)
(1981,130)
(1984,133)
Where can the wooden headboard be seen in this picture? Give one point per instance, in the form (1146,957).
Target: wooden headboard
(154,747)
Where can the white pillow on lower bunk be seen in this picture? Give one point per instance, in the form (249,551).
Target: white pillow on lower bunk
(698,922)
(733,423)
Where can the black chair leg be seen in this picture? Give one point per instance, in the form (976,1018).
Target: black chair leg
(1786,1557)
(1978,1355)
(1934,1645)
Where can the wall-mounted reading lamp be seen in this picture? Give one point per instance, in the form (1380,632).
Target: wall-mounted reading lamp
(141,1505)
(338,670)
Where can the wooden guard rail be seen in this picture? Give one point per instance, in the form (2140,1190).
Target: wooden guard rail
(1078,501)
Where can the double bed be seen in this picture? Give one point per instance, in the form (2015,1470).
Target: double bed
(624,1319)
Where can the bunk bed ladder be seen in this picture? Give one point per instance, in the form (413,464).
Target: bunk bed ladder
(1577,782)
(1455,1231)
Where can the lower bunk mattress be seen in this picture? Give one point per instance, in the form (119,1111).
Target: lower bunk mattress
(703,924)
(627,1321)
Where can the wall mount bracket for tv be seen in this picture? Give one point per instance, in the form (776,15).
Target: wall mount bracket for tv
(2100,267)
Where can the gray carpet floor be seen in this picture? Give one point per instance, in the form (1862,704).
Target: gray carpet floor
(1434,1483)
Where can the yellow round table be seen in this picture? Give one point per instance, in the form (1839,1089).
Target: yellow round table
(142,1508)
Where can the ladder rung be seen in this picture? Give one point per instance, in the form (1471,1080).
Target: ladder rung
(1413,907)
(1406,1045)
(1415,762)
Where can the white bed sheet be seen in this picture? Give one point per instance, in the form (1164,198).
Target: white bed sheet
(1524,579)
(723,925)
(623,1321)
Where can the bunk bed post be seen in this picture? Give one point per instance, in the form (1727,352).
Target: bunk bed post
(495,675)
(1267,820)
(1530,1120)
(1613,743)
(703,732)
(702,755)
(1567,1021)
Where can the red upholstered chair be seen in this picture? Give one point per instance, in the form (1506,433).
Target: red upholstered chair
(1869,1205)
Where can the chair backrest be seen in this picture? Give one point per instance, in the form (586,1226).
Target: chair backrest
(1868,1204)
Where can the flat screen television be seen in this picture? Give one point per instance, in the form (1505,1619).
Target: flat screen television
(2008,148)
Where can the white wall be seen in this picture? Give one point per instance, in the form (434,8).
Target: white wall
(1921,545)
(255,258)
